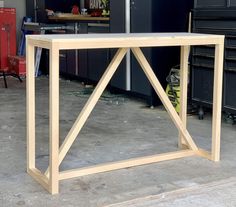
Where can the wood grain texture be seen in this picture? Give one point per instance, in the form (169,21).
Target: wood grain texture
(184,54)
(89,41)
(125,163)
(40,178)
(54,120)
(30,106)
(217,101)
(205,154)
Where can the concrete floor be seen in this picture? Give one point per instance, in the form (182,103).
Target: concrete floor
(119,128)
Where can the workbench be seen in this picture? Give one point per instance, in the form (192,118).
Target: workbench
(76,17)
(81,24)
(50,179)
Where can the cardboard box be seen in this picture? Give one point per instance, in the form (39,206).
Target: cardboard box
(17,65)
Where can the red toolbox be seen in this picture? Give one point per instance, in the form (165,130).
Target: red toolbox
(17,65)
(7,35)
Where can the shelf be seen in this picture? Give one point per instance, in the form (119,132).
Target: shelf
(204,55)
(203,66)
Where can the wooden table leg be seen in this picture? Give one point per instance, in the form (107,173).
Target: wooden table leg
(217,99)
(183,91)
(54,121)
(30,107)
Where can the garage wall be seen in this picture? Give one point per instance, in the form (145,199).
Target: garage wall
(20,6)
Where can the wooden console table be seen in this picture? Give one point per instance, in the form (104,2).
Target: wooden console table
(50,179)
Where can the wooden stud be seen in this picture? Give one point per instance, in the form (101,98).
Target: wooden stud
(217,99)
(30,106)
(162,95)
(205,154)
(54,120)
(183,91)
(40,178)
(125,163)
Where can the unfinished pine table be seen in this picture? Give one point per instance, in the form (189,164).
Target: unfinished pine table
(50,179)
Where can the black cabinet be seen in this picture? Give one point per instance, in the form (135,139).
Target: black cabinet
(87,65)
(67,58)
(148,16)
(97,59)
(214,21)
(141,20)
(214,3)
(118,25)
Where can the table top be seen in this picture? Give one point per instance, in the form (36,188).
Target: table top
(82,41)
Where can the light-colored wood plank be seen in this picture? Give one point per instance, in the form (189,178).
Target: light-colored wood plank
(217,101)
(39,43)
(183,90)
(54,120)
(205,154)
(89,41)
(87,109)
(40,178)
(30,106)
(184,146)
(162,95)
(125,164)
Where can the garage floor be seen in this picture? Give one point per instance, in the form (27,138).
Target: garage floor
(119,128)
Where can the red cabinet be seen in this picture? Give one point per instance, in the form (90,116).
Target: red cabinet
(7,35)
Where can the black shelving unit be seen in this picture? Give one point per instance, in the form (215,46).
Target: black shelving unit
(221,20)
